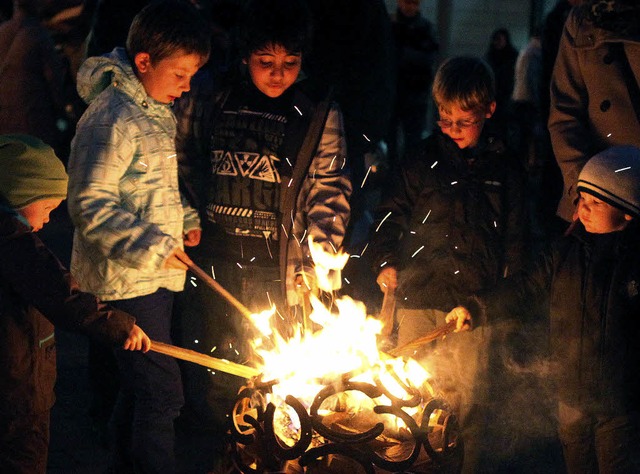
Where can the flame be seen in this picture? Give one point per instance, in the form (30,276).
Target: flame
(345,343)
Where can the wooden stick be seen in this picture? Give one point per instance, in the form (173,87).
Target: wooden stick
(204,360)
(387,312)
(427,338)
(204,276)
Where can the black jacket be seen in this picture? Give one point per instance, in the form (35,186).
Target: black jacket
(33,284)
(453,223)
(592,282)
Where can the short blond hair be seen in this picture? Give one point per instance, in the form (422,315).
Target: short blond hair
(466,82)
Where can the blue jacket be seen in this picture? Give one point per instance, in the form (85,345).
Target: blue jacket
(123,185)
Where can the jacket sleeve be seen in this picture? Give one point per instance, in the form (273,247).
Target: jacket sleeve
(327,187)
(31,271)
(568,117)
(519,296)
(102,155)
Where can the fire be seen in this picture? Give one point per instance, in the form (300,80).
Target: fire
(346,343)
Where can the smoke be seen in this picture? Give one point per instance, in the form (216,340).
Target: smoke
(498,381)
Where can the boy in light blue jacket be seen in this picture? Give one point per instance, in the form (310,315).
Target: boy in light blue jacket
(131,221)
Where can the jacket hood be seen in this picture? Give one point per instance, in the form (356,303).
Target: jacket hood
(99,72)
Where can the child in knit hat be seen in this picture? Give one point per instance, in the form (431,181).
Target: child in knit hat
(36,293)
(590,279)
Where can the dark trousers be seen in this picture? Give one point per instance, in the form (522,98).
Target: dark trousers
(24,444)
(598,444)
(150,397)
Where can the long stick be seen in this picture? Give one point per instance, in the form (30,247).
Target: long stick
(204,276)
(421,341)
(204,360)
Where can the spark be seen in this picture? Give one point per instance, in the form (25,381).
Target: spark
(237,353)
(416,252)
(285,231)
(426,217)
(213,348)
(239,266)
(495,224)
(453,182)
(366,137)
(314,173)
(609,135)
(196,341)
(344,162)
(623,169)
(333,247)
(252,259)
(412,232)
(434,164)
(194,283)
(290,183)
(333,161)
(365,177)
(144,164)
(347,280)
(296,107)
(287,158)
(383,264)
(213,272)
(172,156)
(354,256)
(456,272)
(303,235)
(269,299)
(382,221)
(364,249)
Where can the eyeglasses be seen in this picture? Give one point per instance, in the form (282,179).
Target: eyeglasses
(461,124)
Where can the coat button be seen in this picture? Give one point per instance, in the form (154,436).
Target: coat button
(605,105)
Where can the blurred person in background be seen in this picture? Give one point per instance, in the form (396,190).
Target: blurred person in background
(416,49)
(37,96)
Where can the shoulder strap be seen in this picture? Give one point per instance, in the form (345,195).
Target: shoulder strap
(300,169)
(618,52)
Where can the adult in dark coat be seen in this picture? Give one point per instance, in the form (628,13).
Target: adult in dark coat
(594,87)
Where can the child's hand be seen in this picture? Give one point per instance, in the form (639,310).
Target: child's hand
(178,260)
(387,279)
(137,340)
(192,238)
(461,316)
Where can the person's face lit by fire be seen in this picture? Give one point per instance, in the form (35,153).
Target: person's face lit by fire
(464,126)
(599,217)
(167,79)
(37,213)
(274,69)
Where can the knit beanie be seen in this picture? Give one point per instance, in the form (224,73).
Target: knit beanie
(29,171)
(613,175)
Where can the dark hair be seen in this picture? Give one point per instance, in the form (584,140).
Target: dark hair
(165,27)
(274,22)
(465,81)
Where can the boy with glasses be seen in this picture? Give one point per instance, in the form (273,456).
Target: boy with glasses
(453,222)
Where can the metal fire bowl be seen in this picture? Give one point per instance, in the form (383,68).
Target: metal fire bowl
(430,442)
